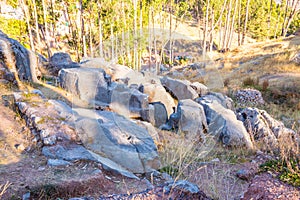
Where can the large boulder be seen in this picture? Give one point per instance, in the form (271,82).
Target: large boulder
(192,121)
(59,61)
(122,74)
(116,71)
(222,99)
(89,84)
(19,61)
(118,139)
(189,119)
(160,115)
(157,93)
(263,127)
(223,124)
(129,102)
(180,89)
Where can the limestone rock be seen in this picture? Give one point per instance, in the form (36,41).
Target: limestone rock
(263,127)
(223,124)
(118,139)
(128,102)
(59,61)
(90,84)
(192,119)
(18,60)
(199,88)
(178,88)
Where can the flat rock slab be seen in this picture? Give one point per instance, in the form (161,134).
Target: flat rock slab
(179,88)
(90,84)
(122,141)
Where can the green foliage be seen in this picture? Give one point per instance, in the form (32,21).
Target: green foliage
(287,172)
(15,29)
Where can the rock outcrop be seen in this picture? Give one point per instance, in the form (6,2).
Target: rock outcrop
(19,61)
(121,140)
(89,84)
(178,88)
(119,144)
(59,61)
(262,127)
(249,96)
(223,124)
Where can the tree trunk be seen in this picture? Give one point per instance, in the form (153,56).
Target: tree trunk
(239,22)
(135,34)
(232,25)
(36,23)
(205,30)
(246,22)
(269,18)
(170,35)
(285,18)
(46,33)
(27,18)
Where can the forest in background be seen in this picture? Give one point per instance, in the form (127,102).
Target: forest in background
(124,30)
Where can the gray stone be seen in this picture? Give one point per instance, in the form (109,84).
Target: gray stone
(128,102)
(57,162)
(57,62)
(225,101)
(178,88)
(160,114)
(51,140)
(192,119)
(90,84)
(70,153)
(18,60)
(263,127)
(223,124)
(199,88)
(157,93)
(182,185)
(63,110)
(114,70)
(120,140)
(75,152)
(26,196)
(150,128)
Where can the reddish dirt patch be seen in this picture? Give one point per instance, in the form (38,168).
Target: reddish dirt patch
(265,186)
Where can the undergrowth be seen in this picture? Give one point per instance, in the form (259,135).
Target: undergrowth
(287,171)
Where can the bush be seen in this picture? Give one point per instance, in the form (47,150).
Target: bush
(15,29)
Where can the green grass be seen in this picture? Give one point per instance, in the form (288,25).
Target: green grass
(287,172)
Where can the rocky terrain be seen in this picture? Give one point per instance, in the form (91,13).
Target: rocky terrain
(99,130)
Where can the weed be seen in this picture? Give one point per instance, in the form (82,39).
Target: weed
(287,171)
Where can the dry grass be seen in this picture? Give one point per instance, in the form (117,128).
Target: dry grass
(3,188)
(209,165)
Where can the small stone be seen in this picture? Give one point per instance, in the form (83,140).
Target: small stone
(44,133)
(41,169)
(26,196)
(57,162)
(215,160)
(50,140)
(20,147)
